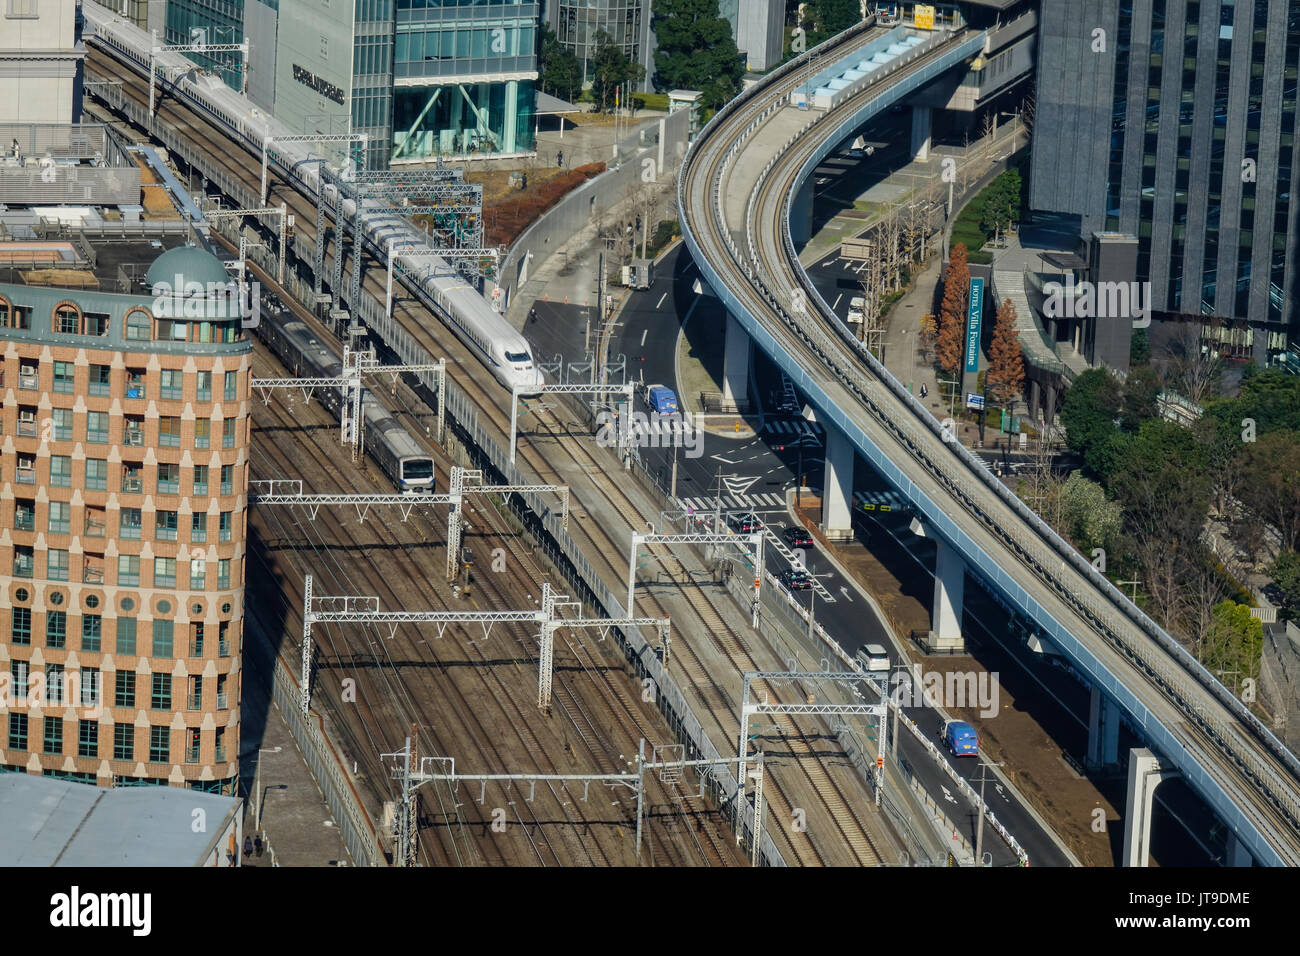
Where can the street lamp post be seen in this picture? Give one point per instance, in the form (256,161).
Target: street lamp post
(257,786)
(979,828)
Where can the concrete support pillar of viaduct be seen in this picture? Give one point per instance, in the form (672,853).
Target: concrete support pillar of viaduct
(1144,775)
(735,364)
(837,495)
(801,213)
(949,588)
(1103,731)
(1237,854)
(922,121)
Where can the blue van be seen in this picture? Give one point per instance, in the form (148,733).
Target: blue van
(961,739)
(662,400)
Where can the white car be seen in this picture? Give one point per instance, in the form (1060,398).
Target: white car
(872,657)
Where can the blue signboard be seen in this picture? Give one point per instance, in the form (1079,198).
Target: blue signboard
(974,401)
(973,325)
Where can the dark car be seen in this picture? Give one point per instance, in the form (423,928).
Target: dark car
(744,523)
(795,579)
(797,537)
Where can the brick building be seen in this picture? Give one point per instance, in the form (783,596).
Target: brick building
(125,434)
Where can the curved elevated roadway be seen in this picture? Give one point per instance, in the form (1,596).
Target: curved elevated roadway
(738,186)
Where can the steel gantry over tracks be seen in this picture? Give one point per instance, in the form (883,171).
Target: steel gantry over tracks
(736,221)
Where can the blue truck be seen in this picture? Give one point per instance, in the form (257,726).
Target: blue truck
(960,739)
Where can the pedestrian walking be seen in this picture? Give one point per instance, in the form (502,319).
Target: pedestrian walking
(257,845)
(559,158)
(248,847)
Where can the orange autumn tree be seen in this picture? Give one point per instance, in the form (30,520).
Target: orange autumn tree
(1006,374)
(952,313)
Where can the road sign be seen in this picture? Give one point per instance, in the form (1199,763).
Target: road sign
(975,311)
(974,401)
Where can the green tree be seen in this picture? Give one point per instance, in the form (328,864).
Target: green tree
(1268,397)
(1088,414)
(1271,483)
(1286,572)
(1141,399)
(1001,203)
(1091,519)
(1233,646)
(1139,348)
(610,69)
(694,50)
(823,19)
(559,69)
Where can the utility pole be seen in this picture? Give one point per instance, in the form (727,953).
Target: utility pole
(979,827)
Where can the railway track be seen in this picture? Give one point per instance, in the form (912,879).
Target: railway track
(450,698)
(1217,733)
(691,617)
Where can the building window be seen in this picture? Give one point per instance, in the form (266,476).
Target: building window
(54,683)
(56,564)
(227,480)
(232,386)
(90,687)
(96,474)
(223,639)
(161,696)
(169,478)
(125,636)
(17,731)
(162,638)
(25,9)
(228,432)
(18,678)
(202,431)
(169,432)
(92,627)
(24,562)
(133,430)
(164,572)
(25,470)
(165,524)
(192,745)
(65,377)
(198,527)
(200,479)
(96,522)
(128,570)
(139,325)
(129,523)
(24,515)
(135,387)
(194,696)
(204,389)
(223,573)
(21,625)
(53,742)
(132,477)
(100,380)
(96,323)
(172,384)
(67,317)
(124,741)
(92,568)
(97,428)
(56,629)
(60,471)
(219,754)
(124,689)
(88,738)
(60,517)
(198,575)
(27,427)
(160,744)
(62,419)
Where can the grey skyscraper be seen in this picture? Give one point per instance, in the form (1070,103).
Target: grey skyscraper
(1174,121)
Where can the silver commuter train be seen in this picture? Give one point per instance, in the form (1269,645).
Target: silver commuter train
(386,441)
(485,331)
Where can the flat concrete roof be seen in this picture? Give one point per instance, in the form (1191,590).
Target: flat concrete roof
(50,822)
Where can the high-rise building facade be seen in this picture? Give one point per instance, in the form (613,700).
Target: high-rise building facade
(577,24)
(1174,122)
(122,528)
(40,59)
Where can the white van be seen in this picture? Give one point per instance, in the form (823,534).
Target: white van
(872,657)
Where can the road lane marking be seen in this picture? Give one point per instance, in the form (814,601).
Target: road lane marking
(645,332)
(661,300)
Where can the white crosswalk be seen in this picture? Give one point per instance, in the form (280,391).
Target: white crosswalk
(792,428)
(761,501)
(670,428)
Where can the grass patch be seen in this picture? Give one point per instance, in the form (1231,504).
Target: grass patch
(651,101)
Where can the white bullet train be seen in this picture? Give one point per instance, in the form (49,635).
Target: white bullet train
(443,291)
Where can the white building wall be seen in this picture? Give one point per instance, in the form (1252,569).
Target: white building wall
(40,54)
